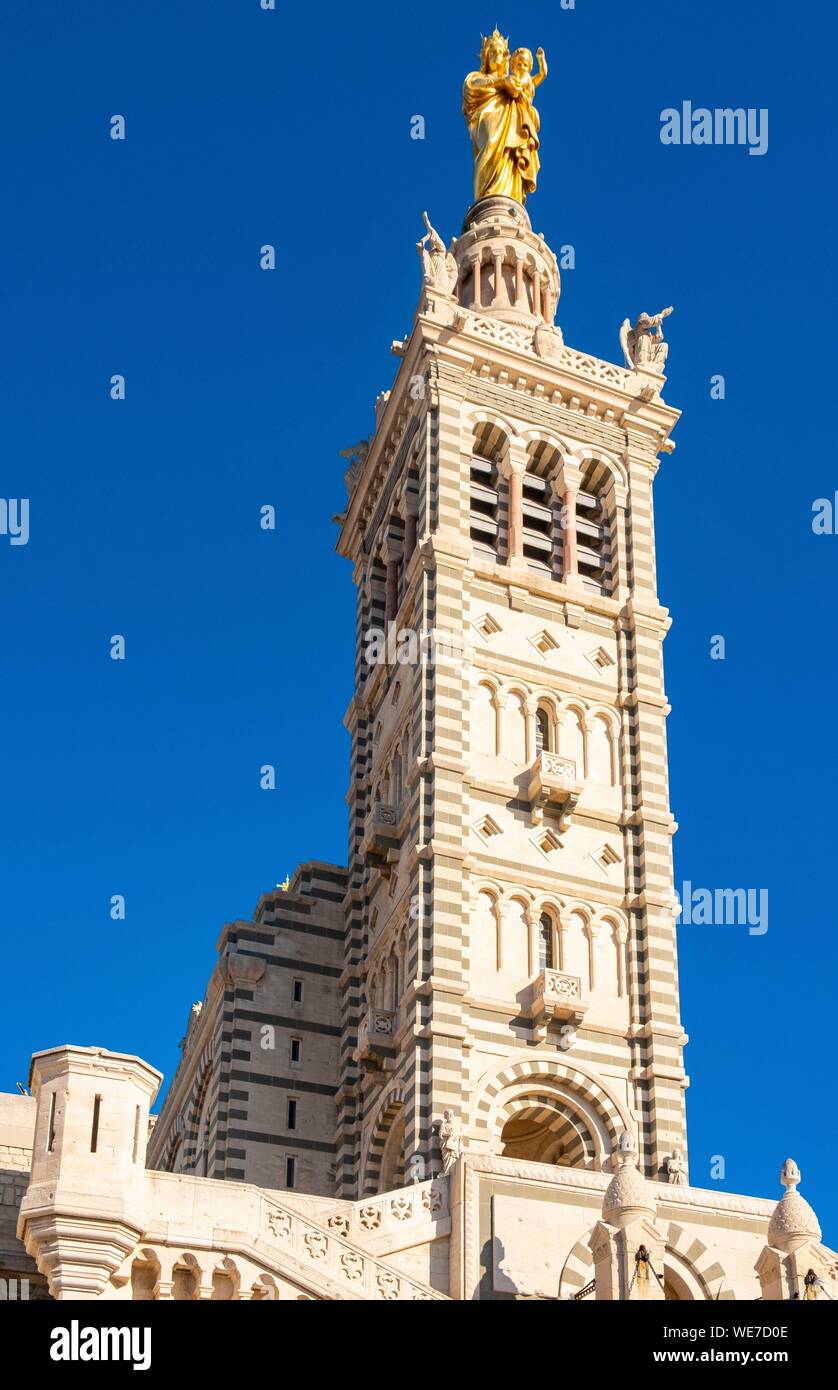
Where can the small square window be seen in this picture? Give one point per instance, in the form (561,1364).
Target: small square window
(296,1051)
(290,1171)
(297,991)
(291,1115)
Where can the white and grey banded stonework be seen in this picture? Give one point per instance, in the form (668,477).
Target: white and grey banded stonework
(498,957)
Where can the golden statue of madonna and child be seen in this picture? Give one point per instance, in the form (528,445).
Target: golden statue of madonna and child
(502,120)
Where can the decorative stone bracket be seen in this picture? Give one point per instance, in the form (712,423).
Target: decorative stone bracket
(553,782)
(556,998)
(380,843)
(376,1040)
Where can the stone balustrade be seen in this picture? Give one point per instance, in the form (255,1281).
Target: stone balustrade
(395,1213)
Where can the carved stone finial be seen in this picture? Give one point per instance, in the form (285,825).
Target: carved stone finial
(628,1195)
(790,1175)
(626,1150)
(793,1221)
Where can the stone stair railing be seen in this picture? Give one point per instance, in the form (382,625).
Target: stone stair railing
(391,1213)
(328,1255)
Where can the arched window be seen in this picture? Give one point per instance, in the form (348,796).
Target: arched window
(600,752)
(542,731)
(593,535)
(483,506)
(483,721)
(607,959)
(201,1125)
(542,518)
(487,507)
(515,729)
(577,951)
(485,944)
(376,989)
(538,523)
(377,605)
(515,943)
(545,942)
(572,739)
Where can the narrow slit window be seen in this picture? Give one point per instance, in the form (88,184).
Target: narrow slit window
(542,732)
(94,1133)
(51,1130)
(297,992)
(290,1172)
(291,1117)
(296,1051)
(545,942)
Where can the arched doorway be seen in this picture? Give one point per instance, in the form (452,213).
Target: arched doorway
(383,1163)
(581,1097)
(681,1281)
(392,1158)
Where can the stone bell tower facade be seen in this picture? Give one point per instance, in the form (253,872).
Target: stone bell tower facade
(510,950)
(453,1067)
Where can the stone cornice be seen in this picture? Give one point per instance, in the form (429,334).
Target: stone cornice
(669,1197)
(473,356)
(485,866)
(568,375)
(544,677)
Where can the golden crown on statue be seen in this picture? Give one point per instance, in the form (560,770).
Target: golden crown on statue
(496,37)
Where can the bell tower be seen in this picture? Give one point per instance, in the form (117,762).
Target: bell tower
(512,899)
(510,952)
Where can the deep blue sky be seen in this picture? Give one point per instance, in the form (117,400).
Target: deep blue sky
(293,127)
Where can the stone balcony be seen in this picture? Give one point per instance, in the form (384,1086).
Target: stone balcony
(381,833)
(376,1039)
(556,998)
(553,782)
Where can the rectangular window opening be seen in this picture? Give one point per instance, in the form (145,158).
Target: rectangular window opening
(94,1133)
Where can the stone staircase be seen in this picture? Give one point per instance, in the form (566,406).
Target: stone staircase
(321,1254)
(322,1247)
